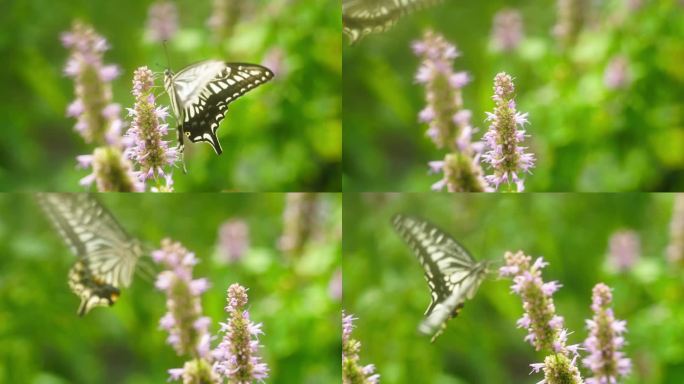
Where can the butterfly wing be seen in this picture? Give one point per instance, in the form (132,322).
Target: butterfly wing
(201,92)
(451,272)
(92,291)
(363,17)
(94,235)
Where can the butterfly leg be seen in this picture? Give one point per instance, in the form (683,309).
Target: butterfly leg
(181,148)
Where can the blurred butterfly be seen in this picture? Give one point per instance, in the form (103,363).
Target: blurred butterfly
(363,17)
(451,272)
(200,94)
(107,255)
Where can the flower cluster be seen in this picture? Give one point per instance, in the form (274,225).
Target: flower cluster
(443,89)
(544,326)
(184,321)
(233,240)
(111,171)
(675,250)
(238,353)
(504,154)
(507,32)
(352,372)
(624,248)
(448,121)
(605,340)
(146,134)
(617,74)
(97,117)
(162,21)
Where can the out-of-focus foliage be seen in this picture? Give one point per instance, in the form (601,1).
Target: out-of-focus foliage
(384,285)
(285,136)
(42,340)
(586,136)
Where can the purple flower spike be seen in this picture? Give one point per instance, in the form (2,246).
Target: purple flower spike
(544,327)
(237,355)
(605,340)
(352,371)
(162,21)
(507,32)
(92,84)
(448,121)
(184,321)
(149,150)
(505,155)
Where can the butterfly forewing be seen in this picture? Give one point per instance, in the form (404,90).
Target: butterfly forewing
(107,255)
(200,94)
(363,17)
(451,272)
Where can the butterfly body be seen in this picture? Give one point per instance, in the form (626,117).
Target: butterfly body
(452,274)
(106,254)
(200,94)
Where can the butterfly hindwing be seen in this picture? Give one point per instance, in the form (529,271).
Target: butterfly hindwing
(200,94)
(107,255)
(451,272)
(92,291)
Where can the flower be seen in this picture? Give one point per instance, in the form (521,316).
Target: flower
(605,340)
(237,355)
(675,250)
(148,149)
(187,327)
(617,73)
(544,327)
(274,60)
(97,117)
(448,121)
(162,21)
(352,372)
(112,172)
(233,240)
(505,156)
(624,249)
(507,32)
(442,88)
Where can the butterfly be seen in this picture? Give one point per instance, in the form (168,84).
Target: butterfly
(200,94)
(107,254)
(363,17)
(452,274)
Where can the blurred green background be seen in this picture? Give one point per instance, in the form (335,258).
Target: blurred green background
(294,294)
(586,137)
(384,285)
(284,136)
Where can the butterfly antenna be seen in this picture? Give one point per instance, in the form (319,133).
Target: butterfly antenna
(166,53)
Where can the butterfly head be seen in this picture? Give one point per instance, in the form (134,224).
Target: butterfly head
(168,78)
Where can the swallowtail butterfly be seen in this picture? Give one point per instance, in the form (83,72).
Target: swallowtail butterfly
(107,255)
(200,94)
(363,17)
(451,272)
